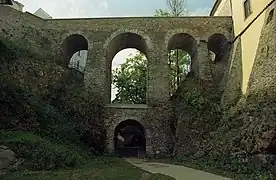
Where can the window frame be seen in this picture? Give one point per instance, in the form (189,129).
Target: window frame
(245,4)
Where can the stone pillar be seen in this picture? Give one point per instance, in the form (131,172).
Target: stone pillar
(204,68)
(110,141)
(158,78)
(95,74)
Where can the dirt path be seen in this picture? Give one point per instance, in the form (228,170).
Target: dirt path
(178,172)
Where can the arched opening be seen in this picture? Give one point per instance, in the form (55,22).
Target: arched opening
(75,49)
(181,58)
(129,139)
(219,51)
(127,63)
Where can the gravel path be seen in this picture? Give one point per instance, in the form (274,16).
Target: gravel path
(178,172)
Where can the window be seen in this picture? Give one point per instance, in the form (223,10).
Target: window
(247,8)
(79,53)
(270,16)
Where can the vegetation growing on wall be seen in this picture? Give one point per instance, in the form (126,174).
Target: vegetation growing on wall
(62,112)
(239,142)
(50,123)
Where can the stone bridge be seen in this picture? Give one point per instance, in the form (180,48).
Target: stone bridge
(59,39)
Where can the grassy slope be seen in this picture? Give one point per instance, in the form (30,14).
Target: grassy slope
(44,159)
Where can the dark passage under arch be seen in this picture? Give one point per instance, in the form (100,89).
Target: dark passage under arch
(73,44)
(129,139)
(218,44)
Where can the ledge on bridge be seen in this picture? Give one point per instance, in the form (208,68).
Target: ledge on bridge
(127,106)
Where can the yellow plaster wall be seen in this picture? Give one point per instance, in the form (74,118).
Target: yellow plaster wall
(224,8)
(250,38)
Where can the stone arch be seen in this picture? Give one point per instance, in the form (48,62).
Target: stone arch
(125,40)
(219,53)
(173,32)
(130,138)
(120,40)
(218,44)
(187,43)
(183,41)
(134,31)
(72,44)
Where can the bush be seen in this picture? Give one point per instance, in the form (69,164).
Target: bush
(42,154)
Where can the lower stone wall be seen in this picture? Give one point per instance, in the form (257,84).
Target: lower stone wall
(155,121)
(161,132)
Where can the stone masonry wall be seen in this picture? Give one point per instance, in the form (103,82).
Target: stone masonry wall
(233,89)
(25,30)
(263,77)
(155,121)
(46,36)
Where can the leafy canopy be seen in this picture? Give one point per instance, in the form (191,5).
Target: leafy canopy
(131,80)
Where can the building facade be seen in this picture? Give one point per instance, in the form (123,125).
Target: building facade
(42,14)
(249,19)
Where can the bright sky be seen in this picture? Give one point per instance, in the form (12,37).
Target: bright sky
(109,8)
(99,8)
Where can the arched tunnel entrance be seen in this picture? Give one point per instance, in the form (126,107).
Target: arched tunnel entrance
(129,139)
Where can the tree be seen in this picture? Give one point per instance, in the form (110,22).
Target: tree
(177,7)
(131,80)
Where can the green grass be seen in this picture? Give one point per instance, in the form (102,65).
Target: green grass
(104,168)
(125,172)
(230,170)
(47,160)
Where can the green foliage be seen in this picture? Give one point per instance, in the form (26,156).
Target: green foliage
(161,13)
(225,165)
(66,114)
(131,80)
(81,110)
(179,66)
(15,110)
(199,101)
(123,172)
(8,52)
(41,154)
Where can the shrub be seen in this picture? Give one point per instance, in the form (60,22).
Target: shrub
(42,154)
